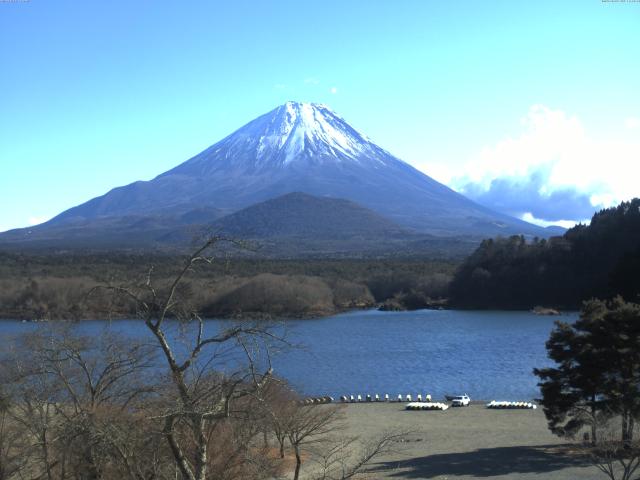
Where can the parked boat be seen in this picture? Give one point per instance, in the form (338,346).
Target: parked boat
(511,405)
(426,406)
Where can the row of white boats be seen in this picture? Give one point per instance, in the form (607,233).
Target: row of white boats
(493,404)
(427,406)
(317,400)
(385,398)
(511,405)
(419,404)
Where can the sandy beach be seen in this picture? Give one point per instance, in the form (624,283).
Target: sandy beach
(468,442)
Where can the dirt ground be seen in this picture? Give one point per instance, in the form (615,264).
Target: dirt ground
(469,442)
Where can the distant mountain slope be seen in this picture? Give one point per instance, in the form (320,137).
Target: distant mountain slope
(302,215)
(127,232)
(294,225)
(298,147)
(301,225)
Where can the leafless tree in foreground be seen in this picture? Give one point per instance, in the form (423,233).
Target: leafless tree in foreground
(208,384)
(310,425)
(74,398)
(279,405)
(348,457)
(315,433)
(13,443)
(616,459)
(189,404)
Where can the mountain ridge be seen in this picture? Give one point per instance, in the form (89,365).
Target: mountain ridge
(297,147)
(295,225)
(302,214)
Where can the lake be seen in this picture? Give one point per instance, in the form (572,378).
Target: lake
(488,355)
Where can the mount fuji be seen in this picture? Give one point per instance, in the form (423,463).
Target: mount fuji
(297,147)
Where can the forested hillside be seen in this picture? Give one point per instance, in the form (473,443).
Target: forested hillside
(599,260)
(56,286)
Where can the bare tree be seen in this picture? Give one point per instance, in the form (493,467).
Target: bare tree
(311,425)
(30,408)
(279,403)
(191,403)
(617,459)
(345,458)
(314,432)
(13,442)
(200,401)
(76,396)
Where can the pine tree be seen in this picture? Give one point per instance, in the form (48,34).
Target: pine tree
(597,371)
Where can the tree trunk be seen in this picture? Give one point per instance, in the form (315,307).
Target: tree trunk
(296,474)
(63,465)
(178,455)
(626,440)
(594,422)
(201,448)
(45,453)
(91,471)
(281,448)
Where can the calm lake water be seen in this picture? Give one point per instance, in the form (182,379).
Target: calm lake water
(489,354)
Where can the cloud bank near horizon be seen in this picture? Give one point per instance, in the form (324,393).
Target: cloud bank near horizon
(527,197)
(554,171)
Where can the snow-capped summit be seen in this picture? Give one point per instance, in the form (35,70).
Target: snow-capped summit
(295,128)
(300,147)
(294,133)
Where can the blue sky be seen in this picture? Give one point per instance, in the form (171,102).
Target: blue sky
(492,98)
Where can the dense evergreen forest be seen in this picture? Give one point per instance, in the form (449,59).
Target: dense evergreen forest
(600,260)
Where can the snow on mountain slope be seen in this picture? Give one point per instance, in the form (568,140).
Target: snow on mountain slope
(294,133)
(311,127)
(302,147)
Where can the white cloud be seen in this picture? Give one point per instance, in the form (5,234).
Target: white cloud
(333,90)
(438,170)
(632,123)
(279,86)
(311,81)
(37,220)
(528,217)
(558,143)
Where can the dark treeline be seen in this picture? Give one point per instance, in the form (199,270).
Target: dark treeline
(599,260)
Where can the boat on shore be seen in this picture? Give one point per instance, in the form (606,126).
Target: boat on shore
(540,310)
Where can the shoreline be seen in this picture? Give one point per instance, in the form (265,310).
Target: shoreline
(259,316)
(467,443)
